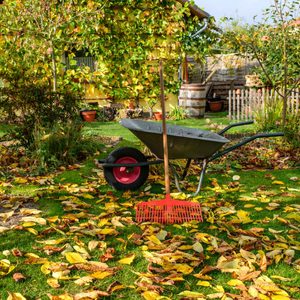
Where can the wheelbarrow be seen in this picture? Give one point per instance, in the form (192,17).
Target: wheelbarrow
(127,168)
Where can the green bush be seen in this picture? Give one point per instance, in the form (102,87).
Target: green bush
(62,145)
(177,113)
(269,118)
(47,124)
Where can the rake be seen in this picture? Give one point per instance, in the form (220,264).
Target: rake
(167,210)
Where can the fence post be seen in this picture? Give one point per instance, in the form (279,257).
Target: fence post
(234,104)
(229,106)
(297,100)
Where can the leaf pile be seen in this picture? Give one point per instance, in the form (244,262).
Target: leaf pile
(95,249)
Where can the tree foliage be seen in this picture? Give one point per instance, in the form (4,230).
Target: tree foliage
(274,43)
(126,38)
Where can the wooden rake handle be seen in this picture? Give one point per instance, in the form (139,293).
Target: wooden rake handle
(164,128)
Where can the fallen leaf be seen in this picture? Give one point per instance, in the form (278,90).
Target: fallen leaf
(74,258)
(192,295)
(127,260)
(198,247)
(15,296)
(53,283)
(18,277)
(235,282)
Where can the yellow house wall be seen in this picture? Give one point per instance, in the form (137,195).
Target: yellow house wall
(92,95)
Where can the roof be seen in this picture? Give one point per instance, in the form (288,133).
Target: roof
(195,10)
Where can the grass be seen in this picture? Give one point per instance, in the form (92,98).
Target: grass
(4,129)
(78,204)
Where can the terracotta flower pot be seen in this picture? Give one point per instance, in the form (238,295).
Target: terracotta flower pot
(88,115)
(215,106)
(157,115)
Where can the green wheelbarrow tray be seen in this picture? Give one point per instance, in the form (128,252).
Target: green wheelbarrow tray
(183,142)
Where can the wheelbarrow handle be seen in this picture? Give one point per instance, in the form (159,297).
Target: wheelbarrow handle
(243,142)
(235,125)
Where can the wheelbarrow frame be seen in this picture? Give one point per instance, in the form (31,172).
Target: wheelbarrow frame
(105,164)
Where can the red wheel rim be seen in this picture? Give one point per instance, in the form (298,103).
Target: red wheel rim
(126,175)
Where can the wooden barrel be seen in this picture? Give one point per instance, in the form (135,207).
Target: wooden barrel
(193,98)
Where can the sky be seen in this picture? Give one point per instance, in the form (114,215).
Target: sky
(241,9)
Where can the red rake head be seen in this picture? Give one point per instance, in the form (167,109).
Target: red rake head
(168,211)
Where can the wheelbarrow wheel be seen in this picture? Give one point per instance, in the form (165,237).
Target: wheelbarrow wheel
(126,178)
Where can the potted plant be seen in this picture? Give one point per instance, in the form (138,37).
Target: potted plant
(215,103)
(157,115)
(88,113)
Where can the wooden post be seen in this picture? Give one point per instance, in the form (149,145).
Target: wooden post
(186,70)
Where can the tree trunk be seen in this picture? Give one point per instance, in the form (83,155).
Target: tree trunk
(54,69)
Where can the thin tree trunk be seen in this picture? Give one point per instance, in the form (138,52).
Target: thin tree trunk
(54,69)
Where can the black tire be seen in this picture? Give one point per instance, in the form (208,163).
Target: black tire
(138,179)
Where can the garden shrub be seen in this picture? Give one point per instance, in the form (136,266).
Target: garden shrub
(48,124)
(63,145)
(269,118)
(177,113)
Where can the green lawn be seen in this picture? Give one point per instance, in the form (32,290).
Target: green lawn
(247,245)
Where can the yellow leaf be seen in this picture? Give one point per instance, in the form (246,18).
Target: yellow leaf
(87,196)
(107,231)
(84,280)
(235,282)
(40,221)
(150,295)
(203,283)
(294,216)
(81,250)
(281,278)
(15,296)
(5,267)
(33,231)
(278,182)
(53,242)
(263,297)
(154,239)
(253,291)
(60,297)
(183,268)
(115,221)
(93,245)
(280,297)
(198,247)
(103,222)
(258,208)
(185,247)
(28,224)
(53,283)
(2,229)
(20,180)
(127,260)
(74,258)
(219,289)
(193,295)
(101,274)
(243,216)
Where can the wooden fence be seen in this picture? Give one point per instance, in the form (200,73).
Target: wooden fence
(244,103)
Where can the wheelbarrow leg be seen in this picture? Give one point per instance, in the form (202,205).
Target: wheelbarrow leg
(204,166)
(187,166)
